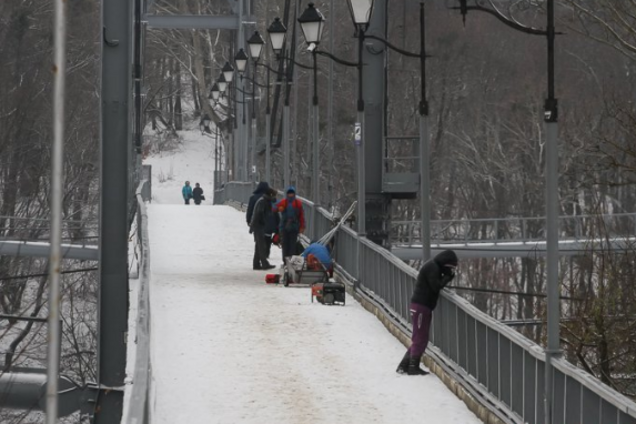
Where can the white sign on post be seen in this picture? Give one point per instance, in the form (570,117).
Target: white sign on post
(358,134)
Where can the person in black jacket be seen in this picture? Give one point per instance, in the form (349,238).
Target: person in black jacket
(258,193)
(197,194)
(433,277)
(260,219)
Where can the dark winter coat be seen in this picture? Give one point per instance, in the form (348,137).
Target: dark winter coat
(262,213)
(433,277)
(197,194)
(274,220)
(258,193)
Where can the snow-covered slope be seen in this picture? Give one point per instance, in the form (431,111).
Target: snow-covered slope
(192,161)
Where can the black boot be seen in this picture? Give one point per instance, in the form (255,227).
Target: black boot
(414,366)
(403,368)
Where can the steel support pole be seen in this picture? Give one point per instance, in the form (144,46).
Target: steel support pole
(332,144)
(286,150)
(315,192)
(57,176)
(115,142)
(361,207)
(425,189)
(425,162)
(553,349)
(268,149)
(268,136)
(253,150)
(254,127)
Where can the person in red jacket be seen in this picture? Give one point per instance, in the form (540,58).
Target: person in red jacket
(292,221)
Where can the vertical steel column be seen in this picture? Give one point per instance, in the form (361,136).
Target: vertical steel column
(315,192)
(268,136)
(425,177)
(361,207)
(242,133)
(286,142)
(254,128)
(57,195)
(373,87)
(553,349)
(113,250)
(332,144)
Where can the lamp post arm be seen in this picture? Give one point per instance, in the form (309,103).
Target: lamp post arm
(393,47)
(245,77)
(512,24)
(337,59)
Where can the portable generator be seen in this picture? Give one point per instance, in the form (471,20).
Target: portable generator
(330,293)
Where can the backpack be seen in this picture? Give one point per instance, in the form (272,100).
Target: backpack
(291,223)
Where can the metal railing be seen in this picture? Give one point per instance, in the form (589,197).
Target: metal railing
(234,192)
(495,364)
(525,229)
(138,404)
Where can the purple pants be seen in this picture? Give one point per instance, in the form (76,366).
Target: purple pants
(421,317)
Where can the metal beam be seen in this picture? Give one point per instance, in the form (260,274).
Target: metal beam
(26,390)
(43,249)
(192,22)
(519,250)
(115,147)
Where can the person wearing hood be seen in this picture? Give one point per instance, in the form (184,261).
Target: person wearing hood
(258,225)
(292,221)
(186,192)
(197,194)
(257,194)
(433,277)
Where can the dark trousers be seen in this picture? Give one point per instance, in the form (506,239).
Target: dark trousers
(290,238)
(260,250)
(421,317)
(268,244)
(187,201)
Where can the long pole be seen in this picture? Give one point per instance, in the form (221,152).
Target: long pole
(361,144)
(332,143)
(286,142)
(268,136)
(253,154)
(316,160)
(55,260)
(425,194)
(553,349)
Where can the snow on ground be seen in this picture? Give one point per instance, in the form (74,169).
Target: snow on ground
(227,348)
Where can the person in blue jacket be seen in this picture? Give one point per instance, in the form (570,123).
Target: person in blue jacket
(186,192)
(320,252)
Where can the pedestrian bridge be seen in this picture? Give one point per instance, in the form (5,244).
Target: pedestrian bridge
(214,343)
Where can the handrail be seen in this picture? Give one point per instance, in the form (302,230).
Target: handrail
(137,412)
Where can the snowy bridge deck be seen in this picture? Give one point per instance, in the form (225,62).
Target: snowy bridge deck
(227,348)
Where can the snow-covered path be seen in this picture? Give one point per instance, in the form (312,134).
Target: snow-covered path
(227,348)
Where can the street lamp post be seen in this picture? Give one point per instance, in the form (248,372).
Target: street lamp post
(255,44)
(277,35)
(240,60)
(312,24)
(361,11)
(553,348)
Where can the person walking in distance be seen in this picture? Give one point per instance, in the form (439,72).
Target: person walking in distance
(260,218)
(433,277)
(186,192)
(197,194)
(292,221)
